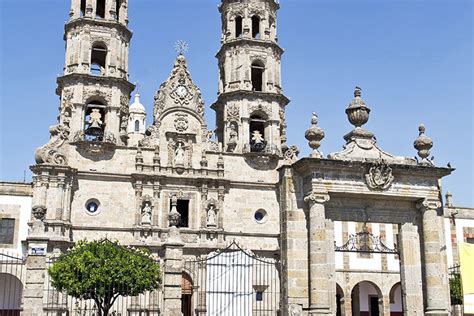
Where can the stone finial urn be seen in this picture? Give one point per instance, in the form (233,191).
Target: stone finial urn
(423,144)
(314,135)
(357,112)
(174,217)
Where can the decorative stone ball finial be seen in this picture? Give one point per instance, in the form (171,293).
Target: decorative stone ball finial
(423,144)
(357,112)
(314,135)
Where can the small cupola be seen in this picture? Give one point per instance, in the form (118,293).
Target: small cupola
(137,121)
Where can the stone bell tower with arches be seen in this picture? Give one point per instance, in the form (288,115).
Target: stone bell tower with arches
(94,88)
(250,109)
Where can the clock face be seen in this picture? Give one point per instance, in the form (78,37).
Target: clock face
(181,91)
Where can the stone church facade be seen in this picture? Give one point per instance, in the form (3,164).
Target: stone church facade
(358,232)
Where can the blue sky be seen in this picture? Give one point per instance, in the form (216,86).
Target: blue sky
(413,60)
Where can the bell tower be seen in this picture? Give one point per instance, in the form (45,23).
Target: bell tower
(94,88)
(250,109)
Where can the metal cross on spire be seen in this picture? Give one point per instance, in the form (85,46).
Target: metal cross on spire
(181,47)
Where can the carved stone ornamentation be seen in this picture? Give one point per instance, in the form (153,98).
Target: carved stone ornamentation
(295,310)
(379,177)
(151,137)
(233,113)
(315,197)
(174,217)
(178,90)
(51,152)
(291,153)
(423,144)
(181,122)
(314,135)
(39,212)
(265,108)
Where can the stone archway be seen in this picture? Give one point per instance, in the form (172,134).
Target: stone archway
(11,290)
(367,299)
(186,295)
(396,306)
(340,310)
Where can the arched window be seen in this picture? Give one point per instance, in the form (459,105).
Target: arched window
(256,27)
(257,76)
(238,26)
(137,126)
(94,121)
(83,7)
(98,59)
(100,9)
(257,133)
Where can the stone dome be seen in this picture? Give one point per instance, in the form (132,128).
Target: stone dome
(136,106)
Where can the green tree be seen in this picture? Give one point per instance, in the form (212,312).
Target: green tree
(455,289)
(102,271)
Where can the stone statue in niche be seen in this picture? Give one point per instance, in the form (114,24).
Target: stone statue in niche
(146,213)
(179,155)
(211,216)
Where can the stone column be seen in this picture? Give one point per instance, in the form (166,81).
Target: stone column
(75,9)
(435,276)
(35,265)
(410,270)
(321,257)
(173,268)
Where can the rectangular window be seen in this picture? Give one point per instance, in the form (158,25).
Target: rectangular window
(7,231)
(259,296)
(470,240)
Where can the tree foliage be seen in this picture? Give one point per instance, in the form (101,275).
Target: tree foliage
(102,271)
(455,287)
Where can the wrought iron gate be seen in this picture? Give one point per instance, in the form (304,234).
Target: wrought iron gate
(12,276)
(233,282)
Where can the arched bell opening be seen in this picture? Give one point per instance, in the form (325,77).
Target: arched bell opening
(94,121)
(257,133)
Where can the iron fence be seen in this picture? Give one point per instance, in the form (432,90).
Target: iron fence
(232,282)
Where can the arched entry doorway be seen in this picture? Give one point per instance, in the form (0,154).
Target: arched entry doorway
(396,308)
(10,294)
(186,295)
(339,301)
(366,299)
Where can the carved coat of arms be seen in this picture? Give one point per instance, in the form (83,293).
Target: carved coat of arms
(380,176)
(181,122)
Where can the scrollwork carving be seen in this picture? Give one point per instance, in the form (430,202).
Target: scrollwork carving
(51,152)
(316,198)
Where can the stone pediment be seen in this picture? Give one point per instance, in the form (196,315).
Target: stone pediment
(178,92)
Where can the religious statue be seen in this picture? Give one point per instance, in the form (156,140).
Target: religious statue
(232,134)
(179,155)
(146,213)
(257,137)
(211,216)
